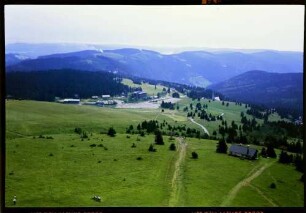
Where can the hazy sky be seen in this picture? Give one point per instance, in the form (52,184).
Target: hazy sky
(279,27)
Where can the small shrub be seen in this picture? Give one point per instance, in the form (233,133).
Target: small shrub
(172,147)
(49,137)
(50,154)
(11,173)
(134,145)
(151,148)
(137,139)
(100,145)
(105,148)
(139,158)
(272,185)
(93,145)
(128,136)
(115,159)
(111,132)
(72,145)
(99,161)
(41,136)
(34,137)
(142,134)
(194,155)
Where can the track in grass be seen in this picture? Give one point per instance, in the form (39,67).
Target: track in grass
(232,194)
(203,127)
(176,183)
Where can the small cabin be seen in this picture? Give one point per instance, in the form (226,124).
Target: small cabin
(70,101)
(139,95)
(240,150)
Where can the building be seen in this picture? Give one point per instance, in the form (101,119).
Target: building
(70,101)
(139,95)
(105,97)
(94,97)
(240,150)
(217,98)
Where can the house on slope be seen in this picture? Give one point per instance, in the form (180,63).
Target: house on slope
(240,150)
(139,95)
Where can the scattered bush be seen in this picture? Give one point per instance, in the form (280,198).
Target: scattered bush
(105,148)
(128,136)
(99,161)
(49,137)
(93,145)
(151,148)
(115,159)
(100,145)
(139,158)
(111,132)
(172,147)
(41,136)
(78,130)
(194,155)
(72,145)
(134,145)
(50,154)
(11,173)
(272,185)
(34,137)
(137,139)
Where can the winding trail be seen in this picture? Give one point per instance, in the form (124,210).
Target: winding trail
(205,130)
(245,182)
(176,182)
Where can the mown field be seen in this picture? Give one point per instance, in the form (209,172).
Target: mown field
(66,171)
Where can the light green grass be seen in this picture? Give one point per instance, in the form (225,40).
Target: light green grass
(73,175)
(148,88)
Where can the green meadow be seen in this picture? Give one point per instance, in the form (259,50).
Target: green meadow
(68,171)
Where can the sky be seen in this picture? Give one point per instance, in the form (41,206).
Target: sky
(277,27)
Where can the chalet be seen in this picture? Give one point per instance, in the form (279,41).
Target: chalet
(105,97)
(94,97)
(70,101)
(243,151)
(139,95)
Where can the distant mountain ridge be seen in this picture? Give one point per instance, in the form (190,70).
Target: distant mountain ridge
(260,87)
(197,68)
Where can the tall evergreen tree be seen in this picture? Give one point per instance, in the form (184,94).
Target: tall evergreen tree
(159,138)
(221,146)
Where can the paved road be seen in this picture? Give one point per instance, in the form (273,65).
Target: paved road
(205,130)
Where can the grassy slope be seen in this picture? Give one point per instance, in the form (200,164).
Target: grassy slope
(150,89)
(209,179)
(73,174)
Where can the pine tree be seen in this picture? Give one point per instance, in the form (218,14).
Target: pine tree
(111,132)
(159,138)
(221,146)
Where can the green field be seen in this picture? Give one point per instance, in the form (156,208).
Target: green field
(66,171)
(148,88)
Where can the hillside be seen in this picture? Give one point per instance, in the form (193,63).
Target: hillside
(199,68)
(49,165)
(45,86)
(259,87)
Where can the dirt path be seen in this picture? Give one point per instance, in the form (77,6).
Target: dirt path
(263,195)
(176,182)
(232,194)
(205,130)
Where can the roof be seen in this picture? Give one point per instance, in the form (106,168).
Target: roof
(105,96)
(243,150)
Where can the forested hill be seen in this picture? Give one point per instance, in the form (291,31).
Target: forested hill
(197,68)
(45,86)
(271,89)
